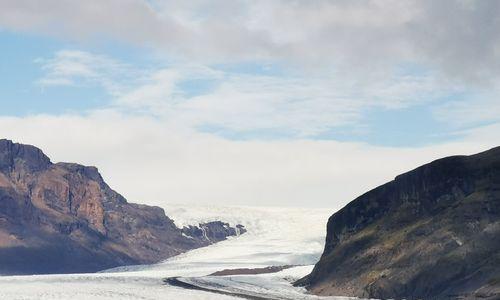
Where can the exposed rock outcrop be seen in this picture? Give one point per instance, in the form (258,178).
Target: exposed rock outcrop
(432,233)
(60,218)
(213,232)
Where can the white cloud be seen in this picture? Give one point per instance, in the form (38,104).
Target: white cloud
(457,37)
(339,46)
(150,161)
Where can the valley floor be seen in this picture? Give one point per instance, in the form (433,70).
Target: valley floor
(275,237)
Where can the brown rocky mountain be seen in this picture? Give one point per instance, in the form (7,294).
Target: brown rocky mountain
(431,233)
(60,218)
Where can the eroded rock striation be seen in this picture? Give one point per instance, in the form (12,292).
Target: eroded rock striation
(431,233)
(61,218)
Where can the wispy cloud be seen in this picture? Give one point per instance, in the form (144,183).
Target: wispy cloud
(477,110)
(80,68)
(291,105)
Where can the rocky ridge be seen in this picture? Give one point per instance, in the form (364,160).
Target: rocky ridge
(63,217)
(431,233)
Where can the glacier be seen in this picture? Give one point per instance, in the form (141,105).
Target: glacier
(275,237)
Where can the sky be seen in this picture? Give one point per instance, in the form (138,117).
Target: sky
(260,103)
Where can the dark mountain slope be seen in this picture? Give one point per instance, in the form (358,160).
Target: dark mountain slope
(60,218)
(432,233)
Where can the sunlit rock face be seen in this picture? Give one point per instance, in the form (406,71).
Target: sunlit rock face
(60,218)
(432,233)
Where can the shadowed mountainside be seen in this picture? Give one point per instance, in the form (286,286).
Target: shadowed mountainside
(432,233)
(61,218)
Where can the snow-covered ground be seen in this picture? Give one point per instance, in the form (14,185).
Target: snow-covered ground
(276,236)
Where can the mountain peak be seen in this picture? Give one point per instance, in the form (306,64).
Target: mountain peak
(15,154)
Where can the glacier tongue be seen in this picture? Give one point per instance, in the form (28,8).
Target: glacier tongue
(276,236)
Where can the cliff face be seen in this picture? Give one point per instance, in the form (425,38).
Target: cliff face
(59,218)
(432,233)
